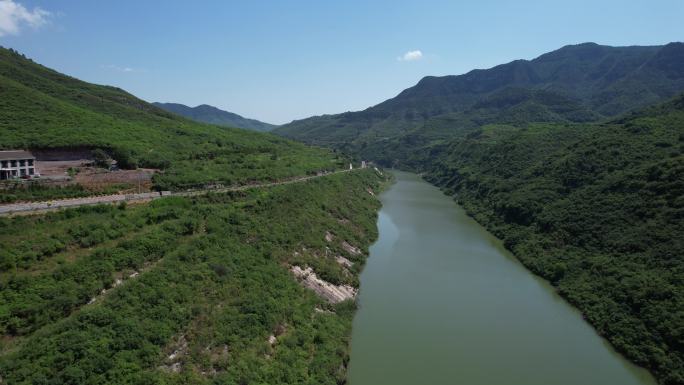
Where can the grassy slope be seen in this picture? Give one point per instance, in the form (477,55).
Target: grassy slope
(595,209)
(41,108)
(214,273)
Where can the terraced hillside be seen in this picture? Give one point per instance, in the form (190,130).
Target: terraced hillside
(190,289)
(186,290)
(43,109)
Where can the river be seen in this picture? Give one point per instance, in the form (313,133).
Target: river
(442,302)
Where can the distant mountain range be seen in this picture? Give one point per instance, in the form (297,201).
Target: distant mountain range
(210,114)
(576,83)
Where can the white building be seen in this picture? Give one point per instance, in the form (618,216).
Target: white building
(17,164)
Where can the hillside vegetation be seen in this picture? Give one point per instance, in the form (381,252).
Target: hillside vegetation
(559,158)
(212,115)
(191,290)
(598,210)
(205,283)
(41,108)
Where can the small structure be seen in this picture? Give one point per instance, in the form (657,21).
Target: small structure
(363,164)
(17,164)
(350,166)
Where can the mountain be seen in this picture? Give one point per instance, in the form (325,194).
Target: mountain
(212,115)
(184,289)
(600,81)
(43,109)
(574,159)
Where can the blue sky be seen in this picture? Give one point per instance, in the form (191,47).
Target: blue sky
(284,60)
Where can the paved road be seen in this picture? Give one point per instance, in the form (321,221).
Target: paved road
(36,207)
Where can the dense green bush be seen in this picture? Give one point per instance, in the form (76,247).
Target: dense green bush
(213,272)
(101,158)
(124,158)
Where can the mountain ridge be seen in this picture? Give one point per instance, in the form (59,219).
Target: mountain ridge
(206,113)
(606,80)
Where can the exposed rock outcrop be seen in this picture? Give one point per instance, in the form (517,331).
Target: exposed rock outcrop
(173,360)
(344,262)
(332,293)
(350,249)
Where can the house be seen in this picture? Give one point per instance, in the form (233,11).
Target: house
(17,164)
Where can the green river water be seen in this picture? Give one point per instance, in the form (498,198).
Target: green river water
(442,302)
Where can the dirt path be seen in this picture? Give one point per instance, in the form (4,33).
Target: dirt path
(37,207)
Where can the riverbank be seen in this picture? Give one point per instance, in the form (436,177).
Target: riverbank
(442,301)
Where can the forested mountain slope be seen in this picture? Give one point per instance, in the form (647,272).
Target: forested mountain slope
(212,115)
(181,289)
(41,108)
(599,81)
(596,209)
(185,290)
(562,159)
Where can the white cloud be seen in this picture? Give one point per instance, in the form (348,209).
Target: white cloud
(117,68)
(14,15)
(411,56)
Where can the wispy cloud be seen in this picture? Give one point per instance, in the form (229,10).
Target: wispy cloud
(411,56)
(114,67)
(13,16)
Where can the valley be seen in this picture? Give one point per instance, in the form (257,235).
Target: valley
(574,159)
(174,245)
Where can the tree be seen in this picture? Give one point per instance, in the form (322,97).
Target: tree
(124,158)
(101,158)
